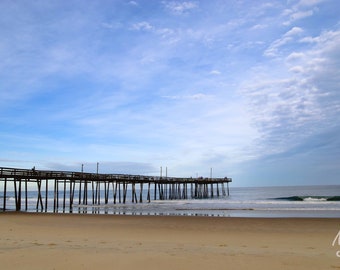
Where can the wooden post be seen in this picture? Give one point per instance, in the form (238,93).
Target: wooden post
(96,194)
(115,193)
(160,191)
(5,192)
(206,191)
(39,201)
(133,192)
(55,196)
(170,191)
(26,195)
(223,189)
(119,193)
(148,197)
(141,193)
(124,192)
(107,191)
(15,194)
(64,199)
(71,195)
(113,190)
(85,193)
(99,192)
(72,187)
(46,195)
(165,191)
(19,197)
(178,193)
(80,189)
(92,191)
(184,191)
(135,195)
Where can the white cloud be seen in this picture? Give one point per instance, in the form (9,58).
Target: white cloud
(294,31)
(133,3)
(307,40)
(295,56)
(309,2)
(288,37)
(298,93)
(144,26)
(297,69)
(197,96)
(169,36)
(298,16)
(164,92)
(178,7)
(298,11)
(259,26)
(215,72)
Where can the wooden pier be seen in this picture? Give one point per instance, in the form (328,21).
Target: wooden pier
(71,189)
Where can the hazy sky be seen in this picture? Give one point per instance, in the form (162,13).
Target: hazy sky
(248,88)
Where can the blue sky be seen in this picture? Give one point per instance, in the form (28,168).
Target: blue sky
(248,88)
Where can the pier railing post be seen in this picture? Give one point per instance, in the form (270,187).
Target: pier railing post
(5,193)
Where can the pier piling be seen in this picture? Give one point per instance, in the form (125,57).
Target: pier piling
(95,184)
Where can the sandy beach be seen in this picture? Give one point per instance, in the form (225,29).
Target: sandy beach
(57,241)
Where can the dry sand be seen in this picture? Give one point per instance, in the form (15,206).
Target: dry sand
(56,241)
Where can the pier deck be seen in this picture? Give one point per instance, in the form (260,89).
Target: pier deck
(71,189)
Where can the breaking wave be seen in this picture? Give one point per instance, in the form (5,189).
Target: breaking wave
(310,198)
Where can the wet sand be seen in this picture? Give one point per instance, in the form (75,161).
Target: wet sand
(71,241)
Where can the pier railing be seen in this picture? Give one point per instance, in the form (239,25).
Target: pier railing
(70,188)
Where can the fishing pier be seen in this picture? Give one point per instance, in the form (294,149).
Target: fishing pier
(64,190)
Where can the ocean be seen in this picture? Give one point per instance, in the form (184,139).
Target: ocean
(265,202)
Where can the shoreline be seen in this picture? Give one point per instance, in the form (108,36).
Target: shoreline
(197,212)
(83,241)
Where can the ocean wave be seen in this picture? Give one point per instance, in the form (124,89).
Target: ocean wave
(310,198)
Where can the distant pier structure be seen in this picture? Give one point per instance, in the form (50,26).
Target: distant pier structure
(57,190)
